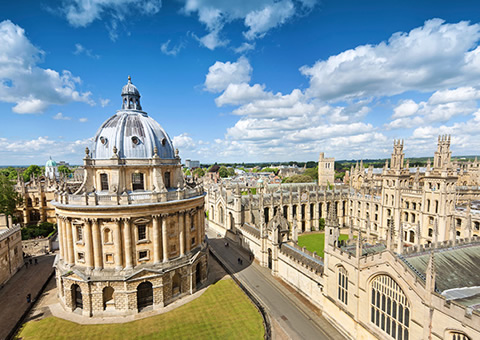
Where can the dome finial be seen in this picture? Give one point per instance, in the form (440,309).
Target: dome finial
(129,79)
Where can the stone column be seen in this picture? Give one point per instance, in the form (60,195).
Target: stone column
(118,245)
(88,245)
(181,233)
(60,238)
(69,248)
(127,234)
(188,237)
(200,226)
(97,245)
(156,240)
(164,238)
(188,225)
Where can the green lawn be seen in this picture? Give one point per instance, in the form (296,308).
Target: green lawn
(316,242)
(222,312)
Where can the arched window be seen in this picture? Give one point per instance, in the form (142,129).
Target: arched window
(137,181)
(104,182)
(167,179)
(342,285)
(457,336)
(29,202)
(389,308)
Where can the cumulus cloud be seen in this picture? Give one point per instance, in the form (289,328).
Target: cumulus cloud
(432,57)
(60,116)
(81,13)
(22,82)
(38,150)
(259,16)
(221,75)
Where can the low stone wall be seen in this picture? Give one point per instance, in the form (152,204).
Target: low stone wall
(38,246)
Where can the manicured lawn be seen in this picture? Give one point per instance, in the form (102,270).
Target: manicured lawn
(222,312)
(316,242)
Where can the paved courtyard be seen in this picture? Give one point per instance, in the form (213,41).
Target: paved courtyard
(13,295)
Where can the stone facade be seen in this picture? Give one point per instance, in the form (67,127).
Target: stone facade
(11,256)
(383,282)
(132,237)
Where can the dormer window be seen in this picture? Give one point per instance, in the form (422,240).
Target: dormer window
(164,141)
(103,140)
(135,140)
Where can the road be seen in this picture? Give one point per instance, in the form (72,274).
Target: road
(295,318)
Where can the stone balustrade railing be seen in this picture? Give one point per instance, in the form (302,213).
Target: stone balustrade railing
(127,198)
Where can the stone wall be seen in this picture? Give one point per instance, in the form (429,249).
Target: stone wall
(38,246)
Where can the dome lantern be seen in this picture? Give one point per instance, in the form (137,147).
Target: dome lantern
(130,97)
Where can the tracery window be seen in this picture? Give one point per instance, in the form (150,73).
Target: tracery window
(458,336)
(390,309)
(343,285)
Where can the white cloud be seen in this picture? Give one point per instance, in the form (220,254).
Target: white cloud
(183,141)
(83,120)
(81,13)
(432,57)
(259,16)
(406,108)
(31,88)
(104,102)
(173,51)
(221,75)
(245,47)
(60,116)
(242,93)
(80,49)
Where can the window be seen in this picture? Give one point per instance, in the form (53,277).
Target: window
(436,206)
(29,202)
(143,255)
(81,257)
(342,285)
(389,308)
(167,179)
(79,234)
(430,232)
(107,236)
(193,241)
(459,222)
(414,206)
(142,232)
(104,182)
(476,225)
(428,205)
(109,258)
(137,182)
(430,220)
(458,336)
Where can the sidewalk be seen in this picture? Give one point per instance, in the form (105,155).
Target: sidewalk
(13,295)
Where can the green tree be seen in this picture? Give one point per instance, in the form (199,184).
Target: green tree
(188,172)
(9,198)
(199,172)
(32,170)
(312,173)
(9,172)
(223,172)
(298,179)
(231,172)
(65,170)
(321,224)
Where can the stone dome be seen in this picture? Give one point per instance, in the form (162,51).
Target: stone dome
(132,132)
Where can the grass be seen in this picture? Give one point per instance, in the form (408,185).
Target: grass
(222,312)
(316,242)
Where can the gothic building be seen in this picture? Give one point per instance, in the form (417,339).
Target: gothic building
(132,236)
(409,269)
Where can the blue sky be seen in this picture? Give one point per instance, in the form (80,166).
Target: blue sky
(253,80)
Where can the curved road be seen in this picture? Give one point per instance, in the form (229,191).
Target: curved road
(296,319)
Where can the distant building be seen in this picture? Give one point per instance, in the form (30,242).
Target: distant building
(11,256)
(192,164)
(326,170)
(51,169)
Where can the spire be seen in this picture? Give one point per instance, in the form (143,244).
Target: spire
(430,274)
(400,239)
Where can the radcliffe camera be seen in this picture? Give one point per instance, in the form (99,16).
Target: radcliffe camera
(272,169)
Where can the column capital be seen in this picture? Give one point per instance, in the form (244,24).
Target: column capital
(164,215)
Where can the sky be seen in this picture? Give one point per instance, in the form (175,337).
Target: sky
(242,81)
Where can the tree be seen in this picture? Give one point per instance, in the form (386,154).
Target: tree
(188,173)
(32,170)
(9,198)
(298,179)
(223,172)
(312,173)
(65,170)
(231,172)
(9,172)
(199,172)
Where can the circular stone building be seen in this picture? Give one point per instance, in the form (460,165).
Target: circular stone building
(132,236)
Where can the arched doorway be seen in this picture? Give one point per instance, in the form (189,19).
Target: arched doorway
(176,289)
(144,295)
(108,298)
(270,258)
(198,274)
(77,301)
